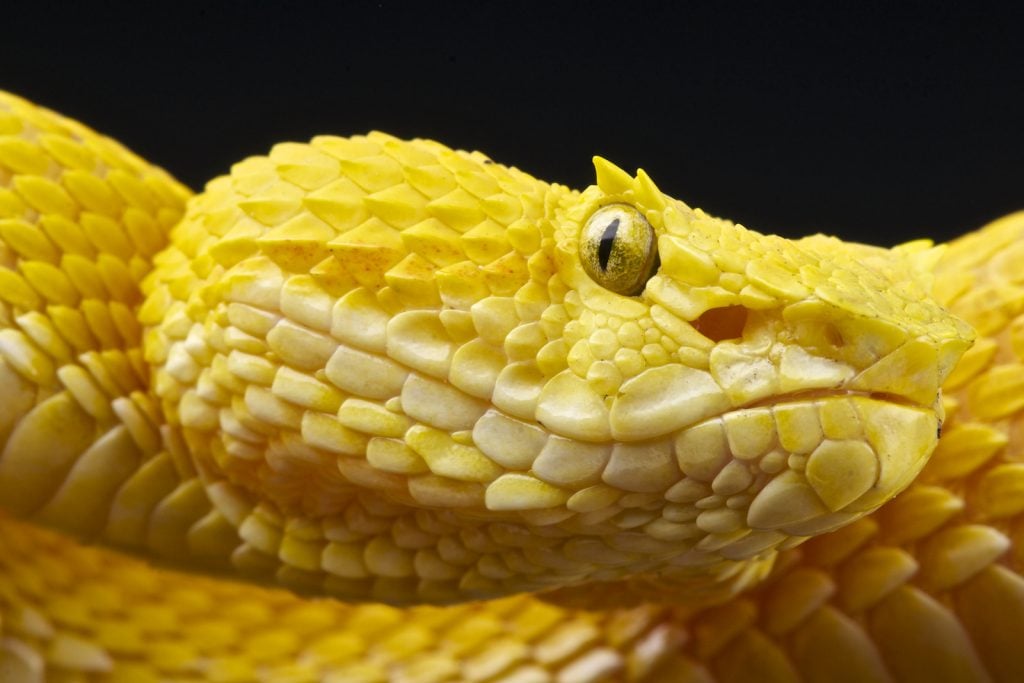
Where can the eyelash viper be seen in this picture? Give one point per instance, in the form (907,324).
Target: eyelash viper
(370,409)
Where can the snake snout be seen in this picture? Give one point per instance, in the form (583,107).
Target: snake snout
(914,371)
(880,356)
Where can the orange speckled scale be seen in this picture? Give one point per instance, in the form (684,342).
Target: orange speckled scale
(369,409)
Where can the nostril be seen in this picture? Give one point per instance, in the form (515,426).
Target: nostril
(719,324)
(832,334)
(822,336)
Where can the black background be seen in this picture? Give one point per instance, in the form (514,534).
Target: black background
(880,125)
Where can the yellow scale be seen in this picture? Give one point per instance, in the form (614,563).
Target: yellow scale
(369,409)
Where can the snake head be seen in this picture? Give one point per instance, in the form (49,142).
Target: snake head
(406,373)
(824,355)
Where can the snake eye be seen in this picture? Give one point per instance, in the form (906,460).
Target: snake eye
(619,249)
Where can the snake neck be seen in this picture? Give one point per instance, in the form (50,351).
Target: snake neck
(81,220)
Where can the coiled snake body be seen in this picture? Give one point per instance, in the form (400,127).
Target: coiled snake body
(369,409)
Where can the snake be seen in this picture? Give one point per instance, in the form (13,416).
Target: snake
(371,409)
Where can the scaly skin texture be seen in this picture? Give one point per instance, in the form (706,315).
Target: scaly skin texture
(379,371)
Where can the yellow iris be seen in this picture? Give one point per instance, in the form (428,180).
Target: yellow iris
(618,248)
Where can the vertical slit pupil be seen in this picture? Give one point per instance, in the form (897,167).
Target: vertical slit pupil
(604,249)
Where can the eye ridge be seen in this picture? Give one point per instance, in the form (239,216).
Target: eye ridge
(604,249)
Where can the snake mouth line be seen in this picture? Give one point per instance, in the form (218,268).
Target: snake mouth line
(811,395)
(818,394)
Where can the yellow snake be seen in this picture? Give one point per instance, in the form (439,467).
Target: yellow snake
(369,409)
